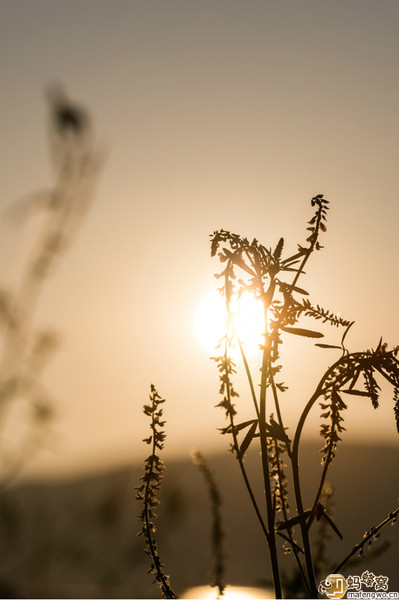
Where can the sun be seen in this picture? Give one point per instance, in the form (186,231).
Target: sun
(230,593)
(211,322)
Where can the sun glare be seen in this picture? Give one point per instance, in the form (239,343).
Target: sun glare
(211,321)
(230,593)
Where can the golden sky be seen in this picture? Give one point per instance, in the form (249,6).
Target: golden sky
(212,114)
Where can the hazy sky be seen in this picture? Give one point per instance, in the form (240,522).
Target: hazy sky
(213,113)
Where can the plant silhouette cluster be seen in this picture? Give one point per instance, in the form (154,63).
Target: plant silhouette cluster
(249,266)
(147,491)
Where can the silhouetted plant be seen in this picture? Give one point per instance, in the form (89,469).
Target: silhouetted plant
(369,537)
(217,538)
(254,268)
(147,491)
(27,349)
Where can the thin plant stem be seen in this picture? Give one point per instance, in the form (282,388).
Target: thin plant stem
(303,525)
(391,518)
(265,463)
(289,530)
(236,447)
(277,405)
(249,377)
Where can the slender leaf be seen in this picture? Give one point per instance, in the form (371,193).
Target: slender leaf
(294,288)
(356,393)
(303,332)
(248,439)
(328,346)
(239,261)
(321,512)
(290,541)
(294,520)
(240,426)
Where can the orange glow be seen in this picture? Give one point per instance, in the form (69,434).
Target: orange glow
(230,593)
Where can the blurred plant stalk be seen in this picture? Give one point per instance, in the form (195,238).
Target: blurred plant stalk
(26,348)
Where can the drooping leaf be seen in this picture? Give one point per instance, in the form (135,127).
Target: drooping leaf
(247,440)
(299,290)
(290,541)
(240,426)
(236,259)
(356,393)
(282,387)
(303,332)
(355,378)
(292,270)
(329,346)
(321,513)
(277,431)
(294,259)
(293,288)
(293,520)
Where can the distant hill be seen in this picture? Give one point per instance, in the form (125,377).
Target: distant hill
(77,538)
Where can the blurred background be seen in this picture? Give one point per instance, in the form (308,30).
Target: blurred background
(201,115)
